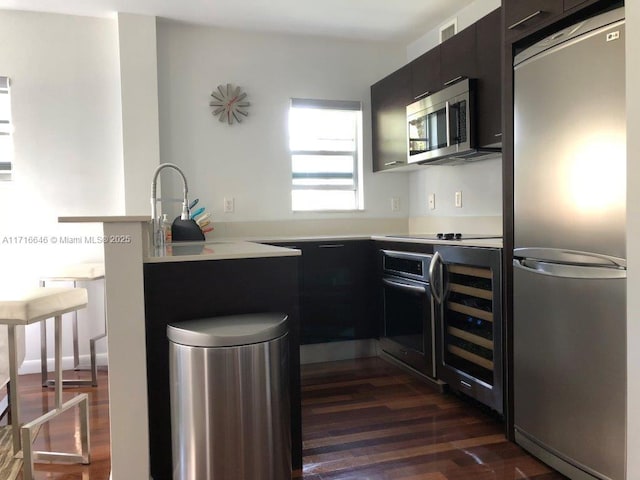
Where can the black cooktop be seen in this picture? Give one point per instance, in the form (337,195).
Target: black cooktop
(449,236)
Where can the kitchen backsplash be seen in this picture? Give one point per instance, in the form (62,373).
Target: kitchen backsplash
(461,224)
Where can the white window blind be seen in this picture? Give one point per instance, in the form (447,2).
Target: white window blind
(6,130)
(325,143)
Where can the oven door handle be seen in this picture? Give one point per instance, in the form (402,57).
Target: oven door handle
(437,258)
(404,286)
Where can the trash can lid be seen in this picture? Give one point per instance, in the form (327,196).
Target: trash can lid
(229,331)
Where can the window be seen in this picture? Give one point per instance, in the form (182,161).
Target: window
(6,141)
(325,139)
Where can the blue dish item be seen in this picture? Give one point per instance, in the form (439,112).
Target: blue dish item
(197,212)
(185,231)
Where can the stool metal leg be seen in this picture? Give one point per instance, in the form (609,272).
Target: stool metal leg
(58,359)
(93,367)
(43,348)
(76,350)
(14,406)
(29,430)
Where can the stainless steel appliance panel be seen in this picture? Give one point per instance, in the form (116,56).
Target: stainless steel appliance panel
(569,359)
(408,326)
(440,125)
(234,422)
(569,324)
(466,283)
(570,159)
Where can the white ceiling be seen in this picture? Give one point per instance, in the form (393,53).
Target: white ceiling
(381,20)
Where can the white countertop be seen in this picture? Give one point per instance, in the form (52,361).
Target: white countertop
(217,250)
(400,237)
(106,219)
(477,242)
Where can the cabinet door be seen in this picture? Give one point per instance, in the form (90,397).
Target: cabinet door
(523,17)
(425,74)
(458,56)
(389,99)
(489,80)
(334,294)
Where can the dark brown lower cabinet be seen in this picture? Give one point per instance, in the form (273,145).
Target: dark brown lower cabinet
(334,291)
(179,291)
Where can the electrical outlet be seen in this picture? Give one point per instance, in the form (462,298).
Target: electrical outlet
(432,201)
(229,205)
(459,199)
(395,204)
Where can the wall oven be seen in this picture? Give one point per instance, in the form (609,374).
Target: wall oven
(408,324)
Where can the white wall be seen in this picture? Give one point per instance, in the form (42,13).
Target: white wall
(250,161)
(139,88)
(480,184)
(632,12)
(68,161)
(465,17)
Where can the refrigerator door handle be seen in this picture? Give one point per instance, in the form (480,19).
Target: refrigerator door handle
(437,258)
(573,257)
(568,271)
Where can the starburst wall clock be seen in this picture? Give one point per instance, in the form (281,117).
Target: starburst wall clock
(229,103)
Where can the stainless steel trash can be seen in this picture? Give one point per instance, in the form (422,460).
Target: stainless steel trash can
(230,412)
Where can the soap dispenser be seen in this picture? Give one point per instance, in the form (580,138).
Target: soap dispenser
(166,228)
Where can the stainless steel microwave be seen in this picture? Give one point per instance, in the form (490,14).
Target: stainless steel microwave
(441,127)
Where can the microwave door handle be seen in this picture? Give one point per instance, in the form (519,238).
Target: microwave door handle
(447,116)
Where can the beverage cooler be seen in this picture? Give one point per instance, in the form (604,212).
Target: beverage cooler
(467,294)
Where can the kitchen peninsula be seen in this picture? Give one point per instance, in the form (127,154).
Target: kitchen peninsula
(145,290)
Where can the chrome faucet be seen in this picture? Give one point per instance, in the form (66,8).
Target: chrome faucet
(158,234)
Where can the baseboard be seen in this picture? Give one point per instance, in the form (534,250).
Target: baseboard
(33,366)
(331,351)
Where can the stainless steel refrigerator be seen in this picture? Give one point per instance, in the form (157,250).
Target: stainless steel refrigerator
(569,263)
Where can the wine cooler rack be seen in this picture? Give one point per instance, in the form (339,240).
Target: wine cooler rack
(469,321)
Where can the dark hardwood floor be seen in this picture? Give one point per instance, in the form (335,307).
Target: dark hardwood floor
(362,420)
(368,420)
(62,433)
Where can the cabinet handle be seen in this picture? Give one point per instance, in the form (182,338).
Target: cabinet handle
(453,80)
(498,134)
(525,19)
(447,119)
(428,92)
(331,245)
(388,164)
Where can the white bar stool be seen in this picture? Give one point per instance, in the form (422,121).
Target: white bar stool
(81,272)
(36,306)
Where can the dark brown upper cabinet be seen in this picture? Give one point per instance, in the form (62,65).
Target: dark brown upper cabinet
(475,52)
(425,74)
(489,79)
(523,17)
(572,3)
(389,99)
(458,57)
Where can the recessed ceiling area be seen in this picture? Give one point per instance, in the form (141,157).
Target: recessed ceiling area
(375,20)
